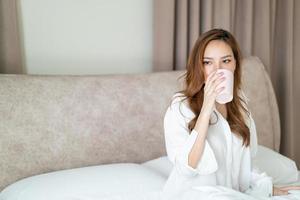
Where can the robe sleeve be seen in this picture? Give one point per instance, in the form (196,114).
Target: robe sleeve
(179,143)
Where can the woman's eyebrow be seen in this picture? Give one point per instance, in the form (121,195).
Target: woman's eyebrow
(226,56)
(209,58)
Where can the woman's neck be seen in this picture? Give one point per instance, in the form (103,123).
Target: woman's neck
(222,109)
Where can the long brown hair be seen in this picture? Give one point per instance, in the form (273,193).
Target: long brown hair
(194,83)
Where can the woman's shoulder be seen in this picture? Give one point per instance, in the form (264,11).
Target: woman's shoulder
(179,105)
(178,99)
(178,96)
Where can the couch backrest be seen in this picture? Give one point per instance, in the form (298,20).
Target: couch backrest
(50,123)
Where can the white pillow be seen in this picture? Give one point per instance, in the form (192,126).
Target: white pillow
(161,165)
(282,169)
(96,182)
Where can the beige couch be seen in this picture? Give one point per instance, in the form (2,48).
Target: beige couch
(50,123)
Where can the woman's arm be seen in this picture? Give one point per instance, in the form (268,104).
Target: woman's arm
(179,142)
(185,149)
(284,190)
(198,147)
(201,126)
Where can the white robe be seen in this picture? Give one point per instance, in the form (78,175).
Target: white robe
(225,162)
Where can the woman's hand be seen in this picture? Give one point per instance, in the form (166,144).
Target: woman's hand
(211,91)
(277,191)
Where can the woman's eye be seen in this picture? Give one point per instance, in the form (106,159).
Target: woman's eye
(227,61)
(206,62)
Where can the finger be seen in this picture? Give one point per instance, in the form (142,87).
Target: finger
(214,93)
(219,90)
(214,75)
(216,84)
(279,192)
(211,74)
(284,192)
(215,80)
(290,188)
(212,78)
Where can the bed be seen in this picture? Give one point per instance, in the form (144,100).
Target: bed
(101,136)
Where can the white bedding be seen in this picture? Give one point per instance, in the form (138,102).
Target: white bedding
(211,192)
(203,192)
(285,173)
(139,182)
(94,182)
(297,182)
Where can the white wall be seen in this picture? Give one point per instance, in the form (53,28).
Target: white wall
(86,36)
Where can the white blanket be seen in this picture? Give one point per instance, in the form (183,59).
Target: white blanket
(197,193)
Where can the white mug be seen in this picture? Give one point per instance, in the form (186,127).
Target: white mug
(226,95)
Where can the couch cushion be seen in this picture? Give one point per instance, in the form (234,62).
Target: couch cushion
(96,181)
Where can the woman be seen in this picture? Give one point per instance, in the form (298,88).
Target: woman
(211,144)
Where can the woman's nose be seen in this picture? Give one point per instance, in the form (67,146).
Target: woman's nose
(217,66)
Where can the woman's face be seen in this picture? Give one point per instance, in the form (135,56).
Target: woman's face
(218,55)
